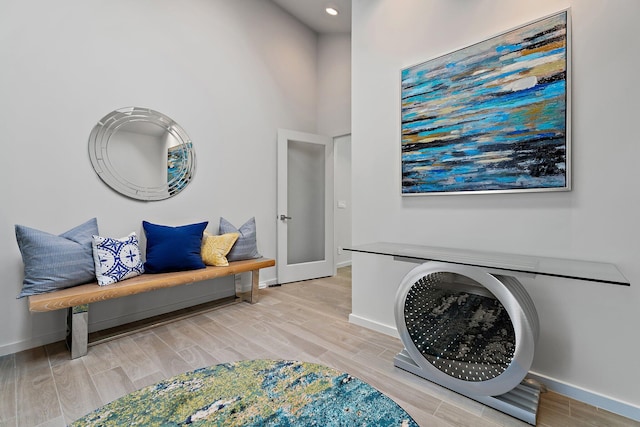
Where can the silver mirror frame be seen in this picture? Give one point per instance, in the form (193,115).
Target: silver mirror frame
(109,125)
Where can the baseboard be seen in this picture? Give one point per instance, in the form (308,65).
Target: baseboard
(267,283)
(33,342)
(376,326)
(589,397)
(343,264)
(147,323)
(243,282)
(155,311)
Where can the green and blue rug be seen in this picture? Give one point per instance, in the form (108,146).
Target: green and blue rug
(254,393)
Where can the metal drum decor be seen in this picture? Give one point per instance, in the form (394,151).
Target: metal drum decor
(466,329)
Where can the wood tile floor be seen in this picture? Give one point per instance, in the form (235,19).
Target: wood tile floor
(302,321)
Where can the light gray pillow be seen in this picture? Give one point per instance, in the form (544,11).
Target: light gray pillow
(246,247)
(56,262)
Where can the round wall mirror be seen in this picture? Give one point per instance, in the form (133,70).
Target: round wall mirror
(142,154)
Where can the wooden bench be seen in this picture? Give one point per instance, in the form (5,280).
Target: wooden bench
(77,299)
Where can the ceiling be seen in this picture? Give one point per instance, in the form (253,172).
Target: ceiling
(312,14)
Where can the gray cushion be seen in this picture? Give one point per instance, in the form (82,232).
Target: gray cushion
(246,247)
(56,262)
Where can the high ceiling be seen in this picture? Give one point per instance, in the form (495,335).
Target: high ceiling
(312,14)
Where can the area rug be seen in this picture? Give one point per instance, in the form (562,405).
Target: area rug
(254,393)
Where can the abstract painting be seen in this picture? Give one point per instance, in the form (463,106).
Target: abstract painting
(491,117)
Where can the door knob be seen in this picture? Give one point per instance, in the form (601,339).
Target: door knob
(284,217)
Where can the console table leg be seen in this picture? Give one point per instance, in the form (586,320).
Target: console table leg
(78,330)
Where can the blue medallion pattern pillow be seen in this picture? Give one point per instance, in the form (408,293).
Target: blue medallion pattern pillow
(56,262)
(116,259)
(173,248)
(246,246)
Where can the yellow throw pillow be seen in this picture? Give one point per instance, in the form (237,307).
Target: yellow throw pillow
(215,248)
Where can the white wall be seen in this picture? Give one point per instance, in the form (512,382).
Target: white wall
(229,72)
(588,331)
(334,84)
(334,119)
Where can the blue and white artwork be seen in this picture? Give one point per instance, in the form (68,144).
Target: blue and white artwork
(493,116)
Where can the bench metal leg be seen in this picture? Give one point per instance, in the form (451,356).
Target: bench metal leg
(78,330)
(255,286)
(251,295)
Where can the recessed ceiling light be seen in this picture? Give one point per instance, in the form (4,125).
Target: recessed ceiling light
(331,11)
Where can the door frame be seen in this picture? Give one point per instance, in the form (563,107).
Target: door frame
(342,257)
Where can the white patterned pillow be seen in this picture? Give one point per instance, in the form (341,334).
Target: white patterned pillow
(116,259)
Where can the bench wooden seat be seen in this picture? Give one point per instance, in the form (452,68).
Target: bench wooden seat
(78,298)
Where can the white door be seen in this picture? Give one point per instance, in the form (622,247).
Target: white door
(305,206)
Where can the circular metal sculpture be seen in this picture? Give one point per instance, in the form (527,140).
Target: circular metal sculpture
(142,154)
(466,329)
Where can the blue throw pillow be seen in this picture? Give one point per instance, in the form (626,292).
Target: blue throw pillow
(173,248)
(246,246)
(56,262)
